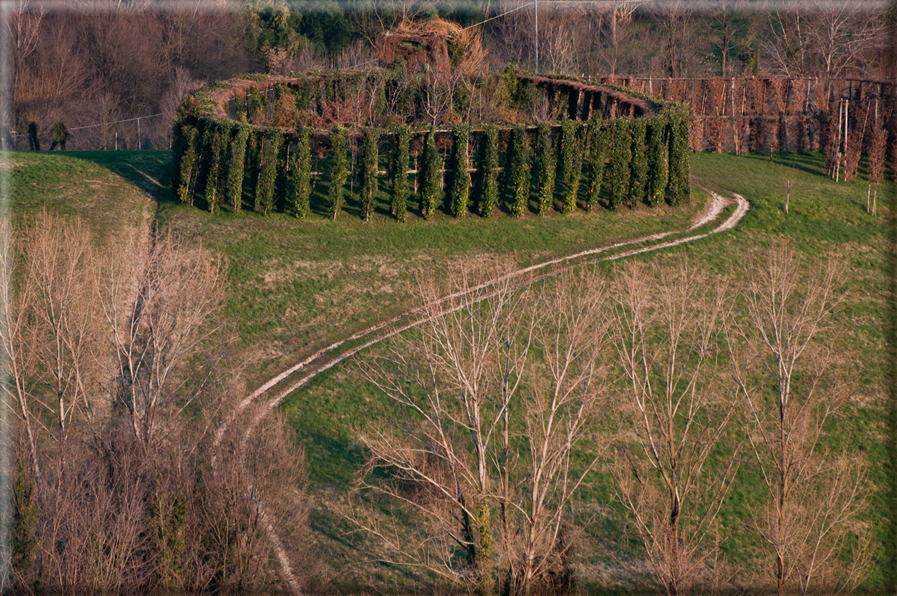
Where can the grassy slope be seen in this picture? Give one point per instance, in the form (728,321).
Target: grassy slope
(111,192)
(824,217)
(296,285)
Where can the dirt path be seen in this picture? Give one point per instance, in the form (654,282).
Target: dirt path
(289,381)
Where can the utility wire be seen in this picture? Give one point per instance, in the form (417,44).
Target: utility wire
(101,124)
(497,16)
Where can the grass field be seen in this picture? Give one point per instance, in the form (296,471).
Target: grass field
(825,218)
(298,285)
(292,281)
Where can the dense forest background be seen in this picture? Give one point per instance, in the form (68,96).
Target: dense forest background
(114,71)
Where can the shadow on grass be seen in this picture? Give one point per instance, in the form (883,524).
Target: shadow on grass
(151,171)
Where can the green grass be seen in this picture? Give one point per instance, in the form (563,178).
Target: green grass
(296,285)
(110,191)
(824,218)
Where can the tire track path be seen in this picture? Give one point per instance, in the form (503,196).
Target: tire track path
(330,356)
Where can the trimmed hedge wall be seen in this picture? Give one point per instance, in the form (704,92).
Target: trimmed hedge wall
(228,161)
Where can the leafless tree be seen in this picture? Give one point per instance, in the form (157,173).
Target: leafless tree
(668,321)
(725,32)
(676,23)
(787,186)
(174,291)
(503,393)
(17,355)
(66,329)
(113,490)
(784,368)
(612,25)
(815,37)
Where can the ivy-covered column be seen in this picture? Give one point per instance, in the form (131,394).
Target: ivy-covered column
(236,166)
(488,187)
(546,168)
(657,161)
(430,176)
(638,175)
(597,134)
(298,189)
(571,164)
(339,170)
(519,171)
(189,163)
(369,167)
(215,151)
(677,189)
(400,193)
(460,189)
(619,167)
(268,162)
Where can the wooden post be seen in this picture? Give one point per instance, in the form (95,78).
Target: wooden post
(868,199)
(874,209)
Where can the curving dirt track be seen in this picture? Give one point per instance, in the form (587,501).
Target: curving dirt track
(282,385)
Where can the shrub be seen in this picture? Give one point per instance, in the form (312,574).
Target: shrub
(236,164)
(619,166)
(571,164)
(518,171)
(339,170)
(547,167)
(488,191)
(460,189)
(299,179)
(369,172)
(597,150)
(399,206)
(430,176)
(639,171)
(657,160)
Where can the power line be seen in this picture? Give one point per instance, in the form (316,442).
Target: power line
(100,124)
(497,16)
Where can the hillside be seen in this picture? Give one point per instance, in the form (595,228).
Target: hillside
(296,286)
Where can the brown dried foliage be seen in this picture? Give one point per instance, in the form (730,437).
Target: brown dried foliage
(785,366)
(878,145)
(123,497)
(696,134)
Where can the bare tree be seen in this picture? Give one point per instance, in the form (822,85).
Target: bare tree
(65,329)
(17,355)
(785,371)
(787,186)
(725,32)
(489,429)
(612,25)
(667,323)
(816,37)
(675,20)
(157,305)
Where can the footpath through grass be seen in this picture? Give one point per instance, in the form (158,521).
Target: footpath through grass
(299,285)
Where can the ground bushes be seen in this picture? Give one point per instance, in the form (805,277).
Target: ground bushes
(233,163)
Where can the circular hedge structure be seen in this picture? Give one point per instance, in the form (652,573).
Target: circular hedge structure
(512,141)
